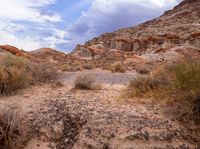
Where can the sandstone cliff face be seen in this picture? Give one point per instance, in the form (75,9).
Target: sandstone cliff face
(175,28)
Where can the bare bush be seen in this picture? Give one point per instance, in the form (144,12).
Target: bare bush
(9,128)
(86,82)
(43,73)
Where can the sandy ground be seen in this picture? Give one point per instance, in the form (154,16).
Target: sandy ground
(65,118)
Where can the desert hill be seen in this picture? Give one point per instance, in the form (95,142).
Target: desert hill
(174,33)
(154,40)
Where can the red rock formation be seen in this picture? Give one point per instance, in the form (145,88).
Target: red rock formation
(177,27)
(12,50)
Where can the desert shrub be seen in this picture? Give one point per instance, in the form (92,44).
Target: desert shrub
(117,68)
(177,84)
(43,73)
(17,72)
(186,76)
(10,60)
(9,128)
(86,82)
(185,87)
(142,85)
(13,73)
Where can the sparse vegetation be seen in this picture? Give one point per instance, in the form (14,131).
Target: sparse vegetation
(142,85)
(178,83)
(44,73)
(117,68)
(13,73)
(86,82)
(9,128)
(17,72)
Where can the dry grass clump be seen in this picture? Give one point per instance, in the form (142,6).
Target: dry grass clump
(86,82)
(13,73)
(9,128)
(117,68)
(142,86)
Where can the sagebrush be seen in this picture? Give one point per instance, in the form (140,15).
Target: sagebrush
(18,72)
(86,82)
(14,73)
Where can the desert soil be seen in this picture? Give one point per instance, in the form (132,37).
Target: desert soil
(65,118)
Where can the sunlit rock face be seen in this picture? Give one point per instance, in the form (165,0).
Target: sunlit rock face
(177,27)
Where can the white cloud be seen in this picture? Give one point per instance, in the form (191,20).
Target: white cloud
(22,43)
(24,22)
(27,10)
(22,37)
(109,15)
(29,24)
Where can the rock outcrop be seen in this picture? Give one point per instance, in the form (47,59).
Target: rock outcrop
(175,28)
(10,49)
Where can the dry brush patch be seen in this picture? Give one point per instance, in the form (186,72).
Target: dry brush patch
(176,84)
(13,73)
(18,72)
(43,73)
(9,128)
(86,82)
(117,68)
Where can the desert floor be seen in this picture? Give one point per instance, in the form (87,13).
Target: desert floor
(65,118)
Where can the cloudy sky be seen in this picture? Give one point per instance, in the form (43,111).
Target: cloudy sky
(61,24)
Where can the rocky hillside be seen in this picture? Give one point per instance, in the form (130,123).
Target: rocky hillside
(176,29)
(154,42)
(45,55)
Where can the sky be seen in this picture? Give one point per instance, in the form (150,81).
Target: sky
(62,24)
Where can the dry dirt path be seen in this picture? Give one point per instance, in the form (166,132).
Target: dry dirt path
(104,77)
(65,118)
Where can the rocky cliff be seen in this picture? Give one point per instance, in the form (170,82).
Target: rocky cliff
(175,29)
